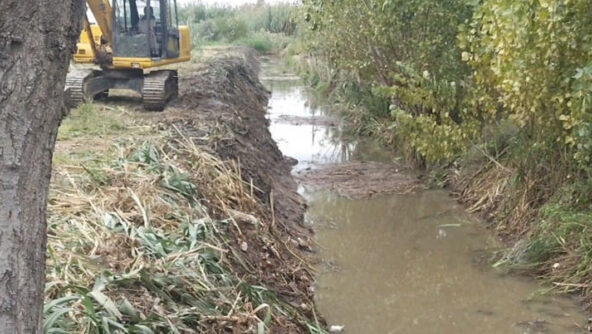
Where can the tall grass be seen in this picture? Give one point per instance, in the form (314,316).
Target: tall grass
(250,25)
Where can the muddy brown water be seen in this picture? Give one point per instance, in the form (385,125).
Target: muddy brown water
(413,263)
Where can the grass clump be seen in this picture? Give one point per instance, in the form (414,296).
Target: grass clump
(265,42)
(89,120)
(559,249)
(260,42)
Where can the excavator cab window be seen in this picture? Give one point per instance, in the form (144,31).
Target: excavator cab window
(145,28)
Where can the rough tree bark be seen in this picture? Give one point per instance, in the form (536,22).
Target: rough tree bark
(37,38)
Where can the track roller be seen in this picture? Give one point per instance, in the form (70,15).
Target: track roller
(159,87)
(74,89)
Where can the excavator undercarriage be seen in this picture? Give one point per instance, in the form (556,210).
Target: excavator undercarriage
(156,87)
(129,39)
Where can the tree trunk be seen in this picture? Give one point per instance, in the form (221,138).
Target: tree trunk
(37,38)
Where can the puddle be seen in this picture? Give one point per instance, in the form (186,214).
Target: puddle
(409,263)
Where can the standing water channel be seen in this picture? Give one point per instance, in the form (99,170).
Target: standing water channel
(408,263)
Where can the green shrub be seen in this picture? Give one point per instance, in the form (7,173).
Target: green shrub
(227,29)
(452,68)
(276,18)
(406,52)
(259,42)
(219,23)
(536,57)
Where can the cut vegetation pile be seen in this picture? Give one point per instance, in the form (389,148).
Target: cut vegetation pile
(180,222)
(361,179)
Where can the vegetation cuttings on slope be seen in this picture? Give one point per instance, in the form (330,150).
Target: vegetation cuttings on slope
(172,222)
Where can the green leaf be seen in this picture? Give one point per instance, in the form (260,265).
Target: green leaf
(60,301)
(51,320)
(106,303)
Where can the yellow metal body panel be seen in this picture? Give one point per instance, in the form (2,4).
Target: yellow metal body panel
(185,42)
(85,54)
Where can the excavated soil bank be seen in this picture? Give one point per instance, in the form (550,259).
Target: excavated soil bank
(360,179)
(222,108)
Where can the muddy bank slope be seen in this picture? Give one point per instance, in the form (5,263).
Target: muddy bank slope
(185,221)
(222,106)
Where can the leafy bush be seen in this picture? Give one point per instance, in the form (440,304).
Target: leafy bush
(407,51)
(528,62)
(276,18)
(260,42)
(536,57)
(226,29)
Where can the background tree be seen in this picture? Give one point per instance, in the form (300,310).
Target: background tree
(37,38)
(403,52)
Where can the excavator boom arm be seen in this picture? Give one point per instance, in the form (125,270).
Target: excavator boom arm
(103,13)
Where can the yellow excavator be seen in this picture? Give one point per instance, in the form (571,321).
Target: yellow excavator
(129,39)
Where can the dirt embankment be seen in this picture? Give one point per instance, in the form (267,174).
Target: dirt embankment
(222,108)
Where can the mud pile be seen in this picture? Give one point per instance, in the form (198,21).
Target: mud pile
(222,105)
(221,108)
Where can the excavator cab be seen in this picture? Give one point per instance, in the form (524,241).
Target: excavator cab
(145,28)
(128,40)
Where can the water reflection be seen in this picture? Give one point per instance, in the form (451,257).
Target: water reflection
(308,143)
